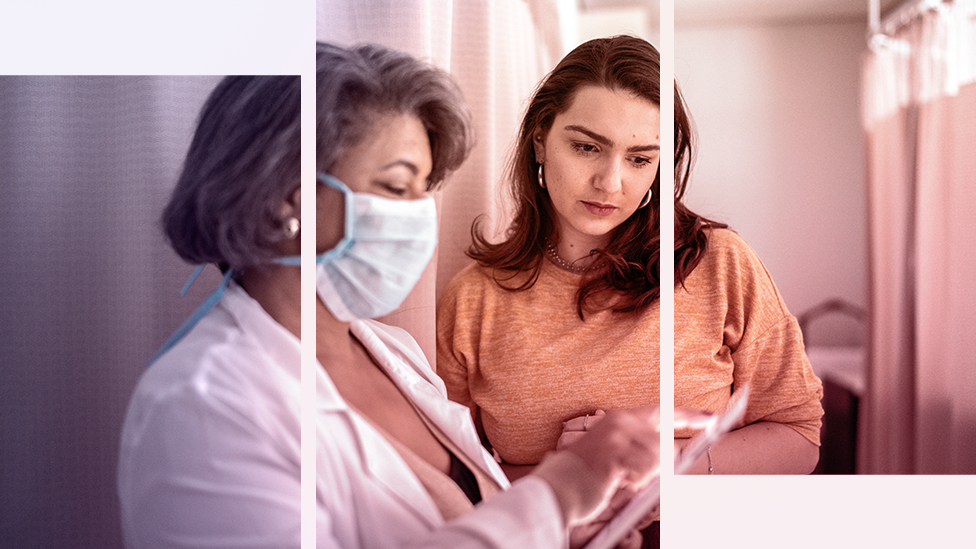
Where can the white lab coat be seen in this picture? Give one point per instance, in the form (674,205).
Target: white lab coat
(210,453)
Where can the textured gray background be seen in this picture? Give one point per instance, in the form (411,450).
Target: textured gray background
(88,287)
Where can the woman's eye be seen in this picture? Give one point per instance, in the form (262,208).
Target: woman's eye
(394,190)
(584,148)
(641,161)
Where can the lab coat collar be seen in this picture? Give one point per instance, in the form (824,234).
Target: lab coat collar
(402,359)
(253,319)
(399,355)
(406,366)
(378,458)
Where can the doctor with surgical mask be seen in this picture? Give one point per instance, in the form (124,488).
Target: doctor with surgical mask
(398,464)
(385,248)
(211,444)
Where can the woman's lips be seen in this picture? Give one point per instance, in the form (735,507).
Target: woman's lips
(596,208)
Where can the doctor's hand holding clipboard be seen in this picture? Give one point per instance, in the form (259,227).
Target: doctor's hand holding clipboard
(619,525)
(624,534)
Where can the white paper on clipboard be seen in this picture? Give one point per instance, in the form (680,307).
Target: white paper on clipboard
(650,495)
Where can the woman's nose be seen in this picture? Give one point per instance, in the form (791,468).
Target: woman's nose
(607,179)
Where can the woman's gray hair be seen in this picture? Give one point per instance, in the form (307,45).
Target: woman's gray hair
(242,164)
(354,85)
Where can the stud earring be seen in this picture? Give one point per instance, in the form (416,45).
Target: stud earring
(647,200)
(291,227)
(542,181)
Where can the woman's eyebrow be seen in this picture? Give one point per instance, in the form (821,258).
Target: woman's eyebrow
(645,148)
(405,163)
(606,141)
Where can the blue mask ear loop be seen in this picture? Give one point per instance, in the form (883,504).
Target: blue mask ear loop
(202,310)
(346,242)
(350,204)
(193,277)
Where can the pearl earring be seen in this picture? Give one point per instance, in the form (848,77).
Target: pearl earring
(291,227)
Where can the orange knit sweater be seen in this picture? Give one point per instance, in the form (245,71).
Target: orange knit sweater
(524,362)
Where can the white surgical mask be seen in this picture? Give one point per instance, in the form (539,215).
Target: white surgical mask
(386,247)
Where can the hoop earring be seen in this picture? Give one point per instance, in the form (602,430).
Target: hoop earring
(647,200)
(292,224)
(542,181)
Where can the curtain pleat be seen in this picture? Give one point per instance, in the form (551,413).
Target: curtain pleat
(889,404)
(919,115)
(946,326)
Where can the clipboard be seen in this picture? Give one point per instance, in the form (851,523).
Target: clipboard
(650,495)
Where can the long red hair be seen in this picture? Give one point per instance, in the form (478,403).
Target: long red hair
(627,279)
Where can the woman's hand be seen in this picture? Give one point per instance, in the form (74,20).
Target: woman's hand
(620,450)
(574,428)
(684,418)
(620,454)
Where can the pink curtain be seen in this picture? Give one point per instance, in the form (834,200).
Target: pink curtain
(946,330)
(919,413)
(497,51)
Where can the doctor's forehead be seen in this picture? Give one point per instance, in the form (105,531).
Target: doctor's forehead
(395,150)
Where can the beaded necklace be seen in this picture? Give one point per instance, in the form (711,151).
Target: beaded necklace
(562,263)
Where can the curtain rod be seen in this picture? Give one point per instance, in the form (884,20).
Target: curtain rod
(899,17)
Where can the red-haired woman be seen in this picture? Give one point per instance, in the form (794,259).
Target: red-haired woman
(562,317)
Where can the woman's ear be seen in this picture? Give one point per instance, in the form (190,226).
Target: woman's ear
(291,214)
(292,205)
(538,142)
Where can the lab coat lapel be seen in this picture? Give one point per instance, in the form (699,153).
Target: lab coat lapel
(408,367)
(377,457)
